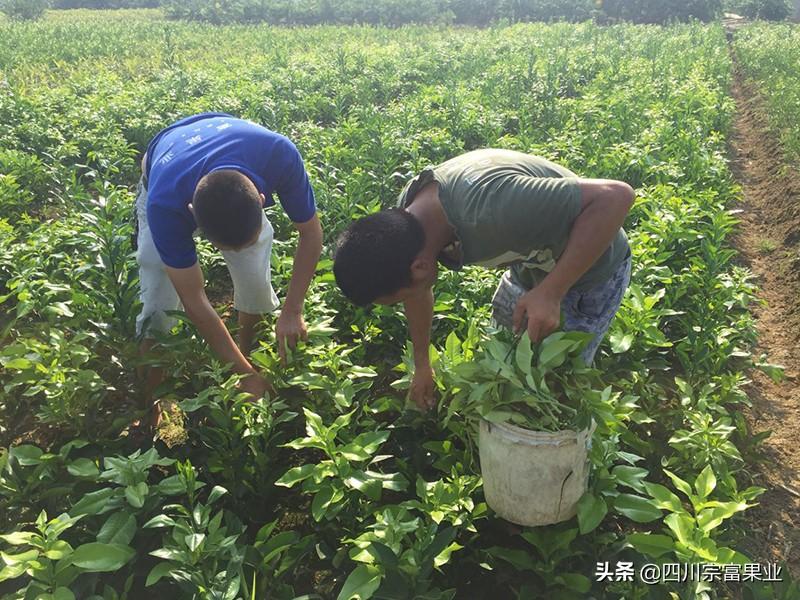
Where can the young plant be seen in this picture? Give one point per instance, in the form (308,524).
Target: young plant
(690,532)
(200,553)
(132,490)
(275,557)
(238,439)
(398,555)
(30,478)
(52,564)
(547,557)
(344,471)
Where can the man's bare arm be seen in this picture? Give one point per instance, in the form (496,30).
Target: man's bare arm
(605,204)
(191,290)
(309,248)
(290,326)
(419,312)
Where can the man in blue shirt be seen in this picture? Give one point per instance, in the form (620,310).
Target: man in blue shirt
(216,173)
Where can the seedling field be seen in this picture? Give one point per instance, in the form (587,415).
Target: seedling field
(334,488)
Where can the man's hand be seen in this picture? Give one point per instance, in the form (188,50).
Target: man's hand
(423,388)
(255,385)
(289,330)
(543,310)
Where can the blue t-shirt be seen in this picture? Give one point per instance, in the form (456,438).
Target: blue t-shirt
(186,151)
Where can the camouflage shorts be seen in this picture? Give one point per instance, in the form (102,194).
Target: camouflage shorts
(591,310)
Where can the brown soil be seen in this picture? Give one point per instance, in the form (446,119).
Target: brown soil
(769,242)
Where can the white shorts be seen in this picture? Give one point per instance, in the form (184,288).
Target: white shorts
(249,269)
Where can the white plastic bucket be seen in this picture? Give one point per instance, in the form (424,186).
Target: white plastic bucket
(533,478)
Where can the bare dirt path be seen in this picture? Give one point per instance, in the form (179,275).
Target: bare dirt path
(769,242)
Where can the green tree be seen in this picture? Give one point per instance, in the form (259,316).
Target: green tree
(23,10)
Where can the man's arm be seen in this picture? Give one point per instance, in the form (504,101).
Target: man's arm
(419,312)
(190,287)
(604,205)
(290,326)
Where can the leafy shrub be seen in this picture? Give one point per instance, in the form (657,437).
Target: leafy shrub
(661,11)
(387,12)
(771,10)
(101,4)
(23,10)
(549,10)
(470,12)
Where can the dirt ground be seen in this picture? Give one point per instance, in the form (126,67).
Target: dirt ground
(769,242)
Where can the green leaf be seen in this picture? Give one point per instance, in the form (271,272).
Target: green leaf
(97,557)
(383,555)
(679,483)
(136,494)
(94,503)
(710,518)
(650,544)
(664,497)
(22,557)
(171,486)
(12,571)
(366,485)
(370,441)
(156,573)
(620,342)
(296,475)
(26,455)
(592,510)
(554,352)
(357,371)
(636,508)
(194,540)
(17,364)
(216,493)
(630,476)
(119,528)
(18,537)
(681,525)
(159,521)
(314,425)
(444,556)
(362,583)
(278,544)
(575,582)
(705,482)
(521,560)
(83,467)
(58,550)
(524,354)
(63,593)
(322,499)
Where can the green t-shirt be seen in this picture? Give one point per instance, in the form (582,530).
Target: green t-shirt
(511,209)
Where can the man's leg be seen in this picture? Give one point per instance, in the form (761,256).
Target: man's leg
(247,327)
(504,301)
(593,310)
(253,295)
(152,376)
(157,295)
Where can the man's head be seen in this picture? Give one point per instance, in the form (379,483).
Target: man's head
(379,259)
(228,209)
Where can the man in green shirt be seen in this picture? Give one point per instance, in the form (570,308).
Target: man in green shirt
(558,234)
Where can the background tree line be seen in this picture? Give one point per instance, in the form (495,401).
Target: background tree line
(400,12)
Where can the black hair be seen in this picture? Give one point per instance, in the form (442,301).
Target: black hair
(374,255)
(227,208)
